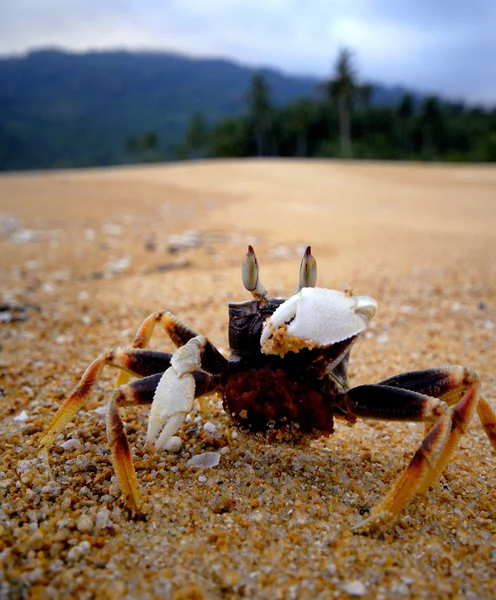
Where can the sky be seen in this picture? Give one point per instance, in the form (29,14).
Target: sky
(433,46)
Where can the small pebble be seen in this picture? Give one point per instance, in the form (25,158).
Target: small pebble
(209,428)
(72,443)
(173,444)
(84,524)
(79,551)
(354,588)
(207,459)
(102,519)
(36,541)
(23,416)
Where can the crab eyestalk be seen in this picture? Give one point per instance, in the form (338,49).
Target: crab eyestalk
(249,272)
(308,271)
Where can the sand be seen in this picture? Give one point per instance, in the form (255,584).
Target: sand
(87,255)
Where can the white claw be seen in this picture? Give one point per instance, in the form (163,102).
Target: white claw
(175,393)
(172,401)
(316,318)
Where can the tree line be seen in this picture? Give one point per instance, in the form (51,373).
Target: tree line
(342,122)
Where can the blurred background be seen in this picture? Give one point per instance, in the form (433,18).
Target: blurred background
(86,254)
(86,83)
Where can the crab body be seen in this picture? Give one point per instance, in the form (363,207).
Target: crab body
(287,372)
(268,391)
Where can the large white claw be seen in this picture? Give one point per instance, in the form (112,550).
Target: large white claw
(316,318)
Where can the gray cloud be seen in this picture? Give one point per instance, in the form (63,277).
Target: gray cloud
(445,46)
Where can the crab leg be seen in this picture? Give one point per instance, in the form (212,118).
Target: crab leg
(179,333)
(135,361)
(449,384)
(141,391)
(458,397)
(121,455)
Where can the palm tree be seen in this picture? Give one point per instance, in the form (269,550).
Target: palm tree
(260,108)
(365,93)
(301,114)
(431,119)
(405,113)
(341,90)
(197,136)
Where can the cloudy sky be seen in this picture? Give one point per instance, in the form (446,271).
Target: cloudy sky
(443,46)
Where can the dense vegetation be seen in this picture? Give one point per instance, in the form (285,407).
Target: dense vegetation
(59,109)
(344,122)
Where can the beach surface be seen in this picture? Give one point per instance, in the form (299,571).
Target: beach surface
(86,255)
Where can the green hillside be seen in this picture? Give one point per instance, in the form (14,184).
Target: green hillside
(60,109)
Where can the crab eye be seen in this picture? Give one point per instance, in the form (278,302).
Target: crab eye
(308,270)
(249,273)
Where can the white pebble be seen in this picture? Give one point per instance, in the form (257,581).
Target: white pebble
(202,479)
(209,428)
(84,524)
(23,416)
(355,588)
(23,466)
(102,519)
(51,488)
(173,444)
(72,443)
(207,459)
(79,551)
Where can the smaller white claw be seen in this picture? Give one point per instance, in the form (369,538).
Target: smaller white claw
(173,400)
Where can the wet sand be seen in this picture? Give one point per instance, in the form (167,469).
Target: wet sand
(87,255)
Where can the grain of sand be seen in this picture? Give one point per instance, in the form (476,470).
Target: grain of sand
(86,255)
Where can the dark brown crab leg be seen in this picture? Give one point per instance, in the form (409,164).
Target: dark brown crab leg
(453,397)
(180,334)
(141,363)
(149,366)
(135,361)
(139,392)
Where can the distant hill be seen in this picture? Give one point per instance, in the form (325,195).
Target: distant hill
(61,109)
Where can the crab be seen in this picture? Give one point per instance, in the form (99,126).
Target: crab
(287,369)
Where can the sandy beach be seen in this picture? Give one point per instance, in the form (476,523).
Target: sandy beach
(86,255)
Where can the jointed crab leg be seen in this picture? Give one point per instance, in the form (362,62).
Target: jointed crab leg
(179,333)
(487,415)
(141,391)
(121,456)
(154,369)
(132,360)
(449,385)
